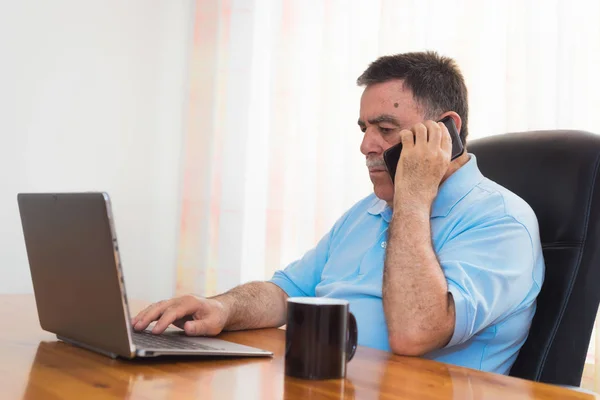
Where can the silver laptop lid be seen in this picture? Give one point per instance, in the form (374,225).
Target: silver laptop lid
(75,268)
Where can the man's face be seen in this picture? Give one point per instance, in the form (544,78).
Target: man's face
(385,109)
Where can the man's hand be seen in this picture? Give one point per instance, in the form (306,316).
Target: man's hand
(253,305)
(425,158)
(196,316)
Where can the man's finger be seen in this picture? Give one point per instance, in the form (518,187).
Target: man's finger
(195,328)
(174,313)
(420,131)
(202,327)
(139,315)
(408,139)
(446,140)
(435,134)
(151,313)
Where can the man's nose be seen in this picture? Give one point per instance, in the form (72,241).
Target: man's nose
(371,142)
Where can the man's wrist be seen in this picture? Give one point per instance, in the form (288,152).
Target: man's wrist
(414,201)
(227,303)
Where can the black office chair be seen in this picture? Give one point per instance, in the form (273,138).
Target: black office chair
(556,172)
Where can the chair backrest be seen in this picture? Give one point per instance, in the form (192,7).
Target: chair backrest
(556,172)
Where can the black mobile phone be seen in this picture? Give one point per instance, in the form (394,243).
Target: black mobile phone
(392,155)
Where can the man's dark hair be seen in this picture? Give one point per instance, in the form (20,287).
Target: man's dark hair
(435,81)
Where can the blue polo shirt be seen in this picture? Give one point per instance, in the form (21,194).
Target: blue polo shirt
(487,242)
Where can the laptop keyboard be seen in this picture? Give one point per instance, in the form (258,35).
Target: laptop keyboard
(147,340)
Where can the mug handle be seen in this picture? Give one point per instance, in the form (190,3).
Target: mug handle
(352,341)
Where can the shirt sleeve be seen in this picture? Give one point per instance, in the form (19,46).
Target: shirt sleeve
(489,270)
(301,277)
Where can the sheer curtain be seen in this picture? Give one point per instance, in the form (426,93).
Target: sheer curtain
(271,155)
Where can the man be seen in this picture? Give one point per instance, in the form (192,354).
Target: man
(442,263)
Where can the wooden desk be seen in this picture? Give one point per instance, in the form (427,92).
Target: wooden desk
(34,365)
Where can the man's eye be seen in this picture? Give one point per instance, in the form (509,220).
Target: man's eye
(363,129)
(385,130)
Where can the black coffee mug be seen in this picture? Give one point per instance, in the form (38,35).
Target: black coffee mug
(321,337)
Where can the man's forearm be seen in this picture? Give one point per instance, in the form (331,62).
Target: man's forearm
(418,308)
(254,305)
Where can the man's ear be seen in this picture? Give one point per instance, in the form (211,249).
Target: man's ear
(455,117)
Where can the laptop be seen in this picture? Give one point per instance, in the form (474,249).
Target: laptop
(79,286)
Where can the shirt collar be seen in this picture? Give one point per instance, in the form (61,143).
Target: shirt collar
(457,186)
(461,182)
(380,207)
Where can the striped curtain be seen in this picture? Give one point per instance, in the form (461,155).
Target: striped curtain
(272,155)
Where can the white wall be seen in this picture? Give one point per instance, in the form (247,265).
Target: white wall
(92,97)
